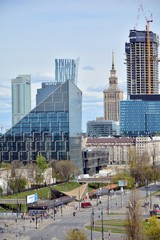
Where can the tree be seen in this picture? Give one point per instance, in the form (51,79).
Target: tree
(41,163)
(66,169)
(76,234)
(140,168)
(1,191)
(39,178)
(134,227)
(153,229)
(124,176)
(5,165)
(15,164)
(17,184)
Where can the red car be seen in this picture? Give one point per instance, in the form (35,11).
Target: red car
(86,205)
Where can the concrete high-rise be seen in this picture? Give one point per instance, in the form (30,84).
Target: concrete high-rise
(21,97)
(112,96)
(142,62)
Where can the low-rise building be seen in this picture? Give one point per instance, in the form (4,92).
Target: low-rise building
(118,148)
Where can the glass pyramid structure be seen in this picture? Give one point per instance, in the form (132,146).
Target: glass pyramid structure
(52,128)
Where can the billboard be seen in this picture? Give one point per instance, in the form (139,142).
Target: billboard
(122,183)
(32,198)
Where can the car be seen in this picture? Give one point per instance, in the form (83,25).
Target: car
(86,205)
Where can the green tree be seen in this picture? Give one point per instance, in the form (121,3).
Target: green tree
(124,176)
(17,184)
(1,191)
(153,229)
(41,163)
(39,178)
(76,234)
(5,165)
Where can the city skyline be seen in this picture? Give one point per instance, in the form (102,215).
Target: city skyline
(35,33)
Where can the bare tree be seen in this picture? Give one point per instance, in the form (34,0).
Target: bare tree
(65,169)
(134,227)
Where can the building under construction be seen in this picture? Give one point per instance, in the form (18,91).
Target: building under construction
(142,62)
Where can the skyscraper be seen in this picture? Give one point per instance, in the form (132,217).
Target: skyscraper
(21,97)
(53,129)
(142,62)
(66,69)
(112,96)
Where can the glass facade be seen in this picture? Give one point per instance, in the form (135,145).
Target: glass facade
(52,128)
(103,128)
(66,69)
(139,118)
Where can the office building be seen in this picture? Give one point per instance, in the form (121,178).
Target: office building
(102,128)
(142,62)
(53,129)
(94,159)
(21,97)
(117,149)
(140,115)
(46,89)
(112,96)
(66,69)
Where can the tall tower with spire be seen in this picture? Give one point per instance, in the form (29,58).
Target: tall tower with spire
(112,96)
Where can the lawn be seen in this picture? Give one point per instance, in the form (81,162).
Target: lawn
(115,226)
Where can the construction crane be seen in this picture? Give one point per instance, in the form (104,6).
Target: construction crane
(148,50)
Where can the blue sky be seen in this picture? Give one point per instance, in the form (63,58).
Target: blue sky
(35,32)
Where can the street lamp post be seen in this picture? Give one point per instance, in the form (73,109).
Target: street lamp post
(92,222)
(17,204)
(102,223)
(108,201)
(150,195)
(61,206)
(54,210)
(146,186)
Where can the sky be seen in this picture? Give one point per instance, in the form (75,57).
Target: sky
(33,33)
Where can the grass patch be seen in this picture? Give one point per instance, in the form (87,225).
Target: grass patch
(45,193)
(3,210)
(115,226)
(106,229)
(66,187)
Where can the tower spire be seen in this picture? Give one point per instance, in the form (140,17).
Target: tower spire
(112,60)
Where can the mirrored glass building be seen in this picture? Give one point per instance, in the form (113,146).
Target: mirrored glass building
(140,116)
(52,128)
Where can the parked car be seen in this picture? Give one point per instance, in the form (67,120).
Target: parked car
(86,205)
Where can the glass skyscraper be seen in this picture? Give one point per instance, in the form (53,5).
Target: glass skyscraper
(66,69)
(53,129)
(140,116)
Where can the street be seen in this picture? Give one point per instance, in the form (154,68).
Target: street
(48,228)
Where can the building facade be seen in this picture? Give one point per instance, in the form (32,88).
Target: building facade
(66,69)
(112,96)
(140,116)
(21,97)
(118,148)
(142,63)
(46,89)
(102,128)
(53,129)
(94,159)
